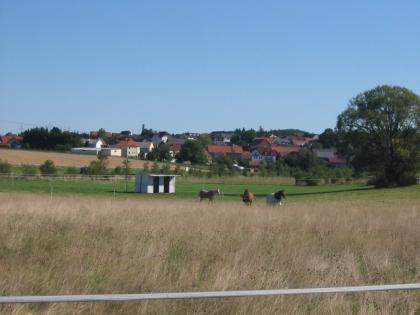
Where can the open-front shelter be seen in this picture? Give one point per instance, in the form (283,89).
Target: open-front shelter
(155,183)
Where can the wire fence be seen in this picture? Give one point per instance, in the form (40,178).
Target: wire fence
(76,177)
(203,295)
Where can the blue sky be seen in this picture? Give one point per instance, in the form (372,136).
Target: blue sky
(199,65)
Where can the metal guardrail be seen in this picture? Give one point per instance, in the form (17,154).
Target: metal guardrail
(202,295)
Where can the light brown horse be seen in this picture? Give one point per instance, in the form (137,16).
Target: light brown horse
(248,197)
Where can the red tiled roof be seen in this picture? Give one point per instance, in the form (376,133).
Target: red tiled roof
(128,143)
(224,149)
(261,139)
(283,150)
(5,139)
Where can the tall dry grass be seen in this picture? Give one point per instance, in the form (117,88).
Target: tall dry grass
(87,246)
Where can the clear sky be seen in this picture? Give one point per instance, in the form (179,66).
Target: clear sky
(199,65)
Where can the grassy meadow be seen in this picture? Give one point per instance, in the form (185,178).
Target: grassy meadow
(187,189)
(75,244)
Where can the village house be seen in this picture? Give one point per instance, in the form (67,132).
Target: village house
(221,137)
(174,149)
(261,144)
(331,156)
(145,148)
(129,148)
(95,143)
(234,151)
(171,140)
(111,151)
(284,150)
(263,149)
(11,140)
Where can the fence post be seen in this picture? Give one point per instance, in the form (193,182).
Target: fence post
(51,189)
(114,185)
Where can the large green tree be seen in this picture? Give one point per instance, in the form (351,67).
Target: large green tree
(243,137)
(379,132)
(328,139)
(193,151)
(160,153)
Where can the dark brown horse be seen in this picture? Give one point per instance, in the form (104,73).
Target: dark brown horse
(208,194)
(248,197)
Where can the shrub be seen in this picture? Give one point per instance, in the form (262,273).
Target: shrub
(118,170)
(155,168)
(72,170)
(165,169)
(27,169)
(48,168)
(95,168)
(5,167)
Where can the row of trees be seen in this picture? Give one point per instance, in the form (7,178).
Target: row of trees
(51,139)
(47,168)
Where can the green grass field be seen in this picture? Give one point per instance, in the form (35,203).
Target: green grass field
(231,192)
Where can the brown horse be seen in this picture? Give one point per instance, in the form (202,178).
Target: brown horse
(248,197)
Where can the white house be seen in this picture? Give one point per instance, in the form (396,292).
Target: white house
(155,183)
(129,148)
(146,147)
(156,140)
(95,143)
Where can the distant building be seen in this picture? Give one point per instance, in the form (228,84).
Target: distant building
(11,140)
(95,143)
(331,156)
(145,148)
(261,144)
(156,140)
(129,148)
(87,151)
(235,151)
(284,149)
(221,137)
(111,151)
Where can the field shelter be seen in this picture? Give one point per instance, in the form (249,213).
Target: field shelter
(155,183)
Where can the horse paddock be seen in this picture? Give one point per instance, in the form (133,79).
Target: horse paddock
(86,245)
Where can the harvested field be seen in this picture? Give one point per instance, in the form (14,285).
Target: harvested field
(75,245)
(18,157)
